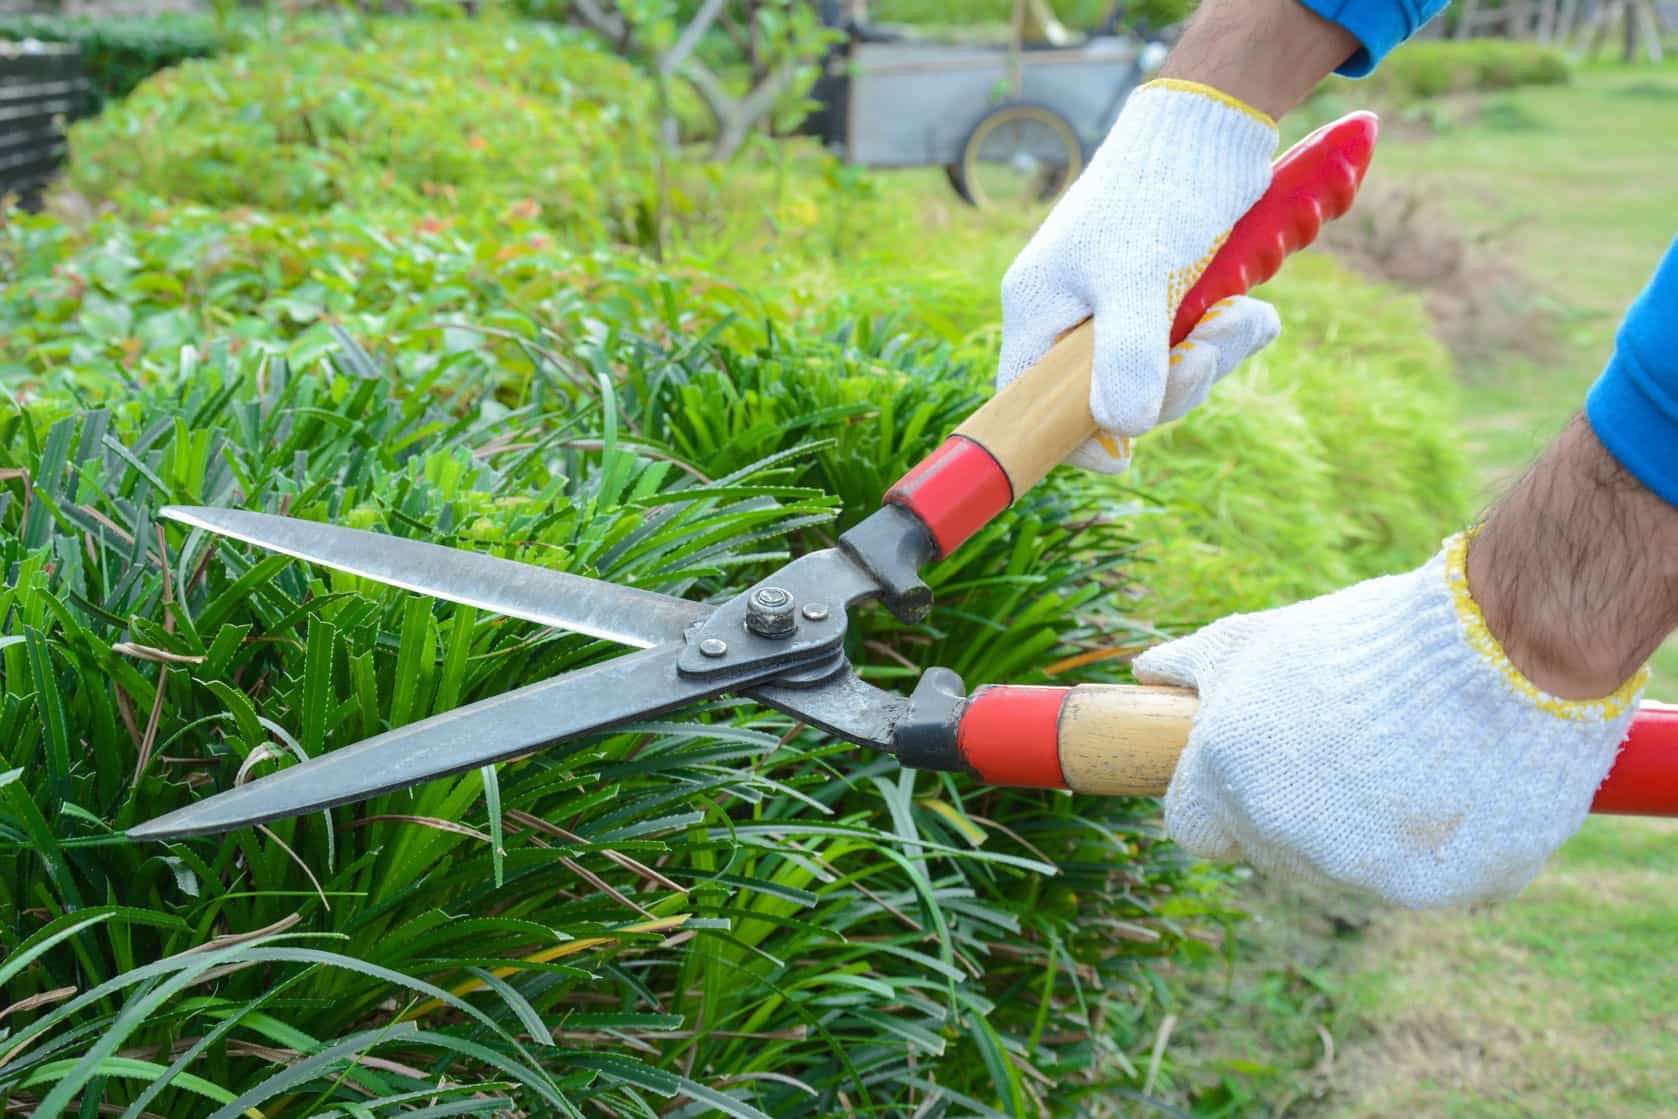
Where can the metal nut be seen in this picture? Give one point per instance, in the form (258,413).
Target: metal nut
(815,611)
(769,613)
(714,647)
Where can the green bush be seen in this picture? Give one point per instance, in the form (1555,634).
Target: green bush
(817,924)
(1081,14)
(1327,459)
(119,54)
(436,118)
(1430,68)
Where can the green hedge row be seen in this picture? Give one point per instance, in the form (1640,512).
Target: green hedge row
(119,54)
(433,117)
(1430,68)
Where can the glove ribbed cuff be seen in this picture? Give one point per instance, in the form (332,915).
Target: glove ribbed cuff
(1189,121)
(1495,669)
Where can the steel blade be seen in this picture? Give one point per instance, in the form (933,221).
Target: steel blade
(845,707)
(518,590)
(582,702)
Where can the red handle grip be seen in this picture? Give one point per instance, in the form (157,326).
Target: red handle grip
(1315,181)
(1125,741)
(1006,447)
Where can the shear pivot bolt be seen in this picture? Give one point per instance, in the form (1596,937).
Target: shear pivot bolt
(769,613)
(713,647)
(815,611)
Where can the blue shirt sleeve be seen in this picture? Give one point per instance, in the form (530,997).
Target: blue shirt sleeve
(1380,25)
(1633,407)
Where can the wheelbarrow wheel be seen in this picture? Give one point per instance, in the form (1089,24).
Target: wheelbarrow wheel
(952,171)
(1017,155)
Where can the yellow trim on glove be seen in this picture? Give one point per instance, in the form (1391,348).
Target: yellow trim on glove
(1480,638)
(1217,95)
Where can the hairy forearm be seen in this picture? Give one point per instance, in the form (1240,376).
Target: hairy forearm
(1576,570)
(1268,53)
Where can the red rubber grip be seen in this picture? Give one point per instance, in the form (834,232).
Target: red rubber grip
(1315,181)
(1010,735)
(1644,780)
(961,486)
(954,491)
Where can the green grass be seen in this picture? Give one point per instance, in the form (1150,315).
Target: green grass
(1580,203)
(802,938)
(1558,1003)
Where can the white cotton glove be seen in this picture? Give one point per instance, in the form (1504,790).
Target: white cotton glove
(1127,242)
(1379,738)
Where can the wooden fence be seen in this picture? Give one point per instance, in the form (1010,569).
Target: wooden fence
(41,90)
(1584,25)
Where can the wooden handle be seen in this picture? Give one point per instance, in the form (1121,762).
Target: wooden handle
(1042,416)
(1122,740)
(1104,739)
(1006,447)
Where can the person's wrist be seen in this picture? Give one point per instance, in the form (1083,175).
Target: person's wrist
(1269,54)
(1575,571)
(1539,641)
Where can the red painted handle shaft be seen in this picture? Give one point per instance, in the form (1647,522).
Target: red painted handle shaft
(1007,446)
(1125,740)
(1644,780)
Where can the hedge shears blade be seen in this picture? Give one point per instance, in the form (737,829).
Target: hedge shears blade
(781,642)
(808,678)
(516,590)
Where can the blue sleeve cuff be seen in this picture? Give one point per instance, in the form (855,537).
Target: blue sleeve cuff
(1633,407)
(1380,25)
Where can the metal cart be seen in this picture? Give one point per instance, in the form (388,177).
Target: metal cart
(1011,122)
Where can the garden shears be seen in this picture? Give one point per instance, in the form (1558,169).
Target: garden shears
(781,642)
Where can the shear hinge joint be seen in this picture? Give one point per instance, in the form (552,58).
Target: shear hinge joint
(928,736)
(892,545)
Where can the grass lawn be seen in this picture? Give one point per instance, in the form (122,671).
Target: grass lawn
(1561,1002)
(1574,184)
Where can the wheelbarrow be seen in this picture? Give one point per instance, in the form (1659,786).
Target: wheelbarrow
(1012,122)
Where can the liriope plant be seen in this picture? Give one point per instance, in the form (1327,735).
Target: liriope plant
(719,912)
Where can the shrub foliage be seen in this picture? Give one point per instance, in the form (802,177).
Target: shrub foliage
(119,54)
(433,117)
(720,907)
(1430,68)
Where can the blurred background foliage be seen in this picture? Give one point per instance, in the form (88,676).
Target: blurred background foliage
(438,278)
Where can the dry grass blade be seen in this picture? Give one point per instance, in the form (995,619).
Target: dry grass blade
(604,887)
(282,1056)
(1094,656)
(453,826)
(20,474)
(149,739)
(635,866)
(1162,1038)
(156,656)
(36,1001)
(644,451)
(227,940)
(546,956)
(303,866)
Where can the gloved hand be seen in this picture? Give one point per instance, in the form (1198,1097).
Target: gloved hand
(1127,242)
(1379,738)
